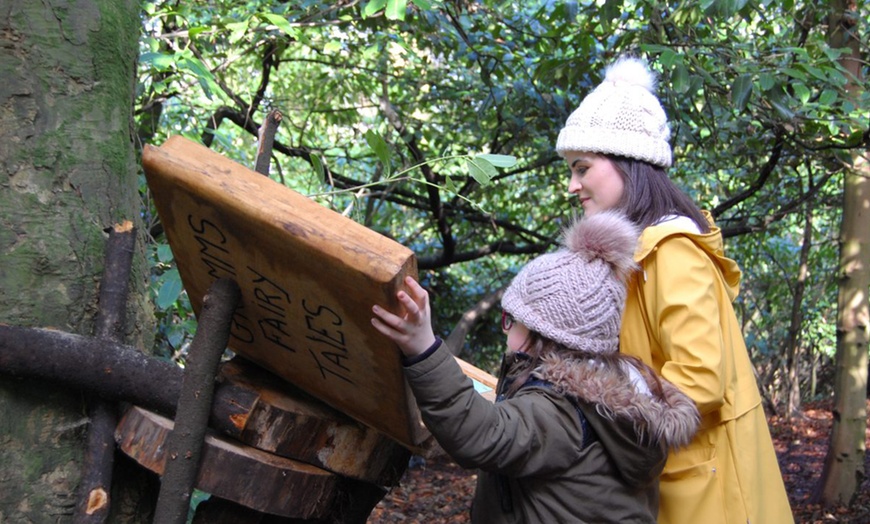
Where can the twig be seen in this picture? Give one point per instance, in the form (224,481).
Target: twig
(266,141)
(184,445)
(92,498)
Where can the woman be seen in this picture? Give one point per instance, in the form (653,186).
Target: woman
(579,432)
(679,317)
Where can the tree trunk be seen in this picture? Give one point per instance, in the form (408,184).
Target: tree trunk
(844,465)
(793,396)
(68,172)
(456,340)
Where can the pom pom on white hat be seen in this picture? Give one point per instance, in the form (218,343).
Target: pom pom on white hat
(622,116)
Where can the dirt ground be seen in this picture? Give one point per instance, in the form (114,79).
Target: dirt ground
(438,491)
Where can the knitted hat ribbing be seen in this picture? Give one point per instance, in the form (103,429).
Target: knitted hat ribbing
(622,116)
(575,296)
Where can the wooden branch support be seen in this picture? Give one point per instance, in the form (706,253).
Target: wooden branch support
(114,285)
(250,404)
(194,405)
(266,139)
(102,367)
(92,500)
(92,496)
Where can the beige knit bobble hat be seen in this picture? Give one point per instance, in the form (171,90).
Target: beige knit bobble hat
(622,116)
(575,296)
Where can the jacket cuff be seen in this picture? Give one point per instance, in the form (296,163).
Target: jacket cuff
(410,361)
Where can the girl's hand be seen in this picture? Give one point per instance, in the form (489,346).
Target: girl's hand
(412,332)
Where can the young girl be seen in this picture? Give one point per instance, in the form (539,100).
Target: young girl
(678,315)
(579,433)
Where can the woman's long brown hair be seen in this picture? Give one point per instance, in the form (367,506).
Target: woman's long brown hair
(651,195)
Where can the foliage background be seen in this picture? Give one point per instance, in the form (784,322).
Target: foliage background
(383,100)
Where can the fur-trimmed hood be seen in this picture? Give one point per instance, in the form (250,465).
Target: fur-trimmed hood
(628,394)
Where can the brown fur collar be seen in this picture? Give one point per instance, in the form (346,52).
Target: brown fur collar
(669,417)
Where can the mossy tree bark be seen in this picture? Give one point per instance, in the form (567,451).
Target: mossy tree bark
(67,172)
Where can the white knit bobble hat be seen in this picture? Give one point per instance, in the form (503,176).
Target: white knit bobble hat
(622,116)
(575,296)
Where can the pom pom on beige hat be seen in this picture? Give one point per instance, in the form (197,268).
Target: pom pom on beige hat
(575,296)
(622,116)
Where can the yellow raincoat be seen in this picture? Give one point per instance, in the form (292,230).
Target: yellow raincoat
(679,319)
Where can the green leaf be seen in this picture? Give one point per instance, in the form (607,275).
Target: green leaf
(828,97)
(319,169)
(481,170)
(170,289)
(740,91)
(782,109)
(425,5)
(856,137)
(766,81)
(195,66)
(379,146)
(280,22)
(373,8)
(680,79)
(158,60)
(396,9)
(669,58)
(202,74)
(611,10)
(164,253)
(499,160)
(816,72)
(449,185)
(654,48)
(794,73)
(237,31)
(722,8)
(802,92)
(194,31)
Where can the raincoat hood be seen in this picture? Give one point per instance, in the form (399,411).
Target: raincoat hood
(711,243)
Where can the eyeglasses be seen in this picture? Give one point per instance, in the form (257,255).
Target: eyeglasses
(507,321)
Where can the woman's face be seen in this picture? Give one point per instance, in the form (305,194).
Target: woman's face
(595,181)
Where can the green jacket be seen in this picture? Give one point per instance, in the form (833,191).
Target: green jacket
(679,319)
(578,444)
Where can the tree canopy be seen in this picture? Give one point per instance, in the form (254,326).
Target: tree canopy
(386,106)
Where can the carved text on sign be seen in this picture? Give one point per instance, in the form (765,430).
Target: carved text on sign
(308,277)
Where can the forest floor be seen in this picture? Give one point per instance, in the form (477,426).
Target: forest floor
(438,491)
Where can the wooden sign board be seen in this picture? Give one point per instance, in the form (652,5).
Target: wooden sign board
(307,274)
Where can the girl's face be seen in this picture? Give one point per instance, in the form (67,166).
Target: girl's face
(517,335)
(595,181)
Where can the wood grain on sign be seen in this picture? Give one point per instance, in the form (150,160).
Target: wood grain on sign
(308,276)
